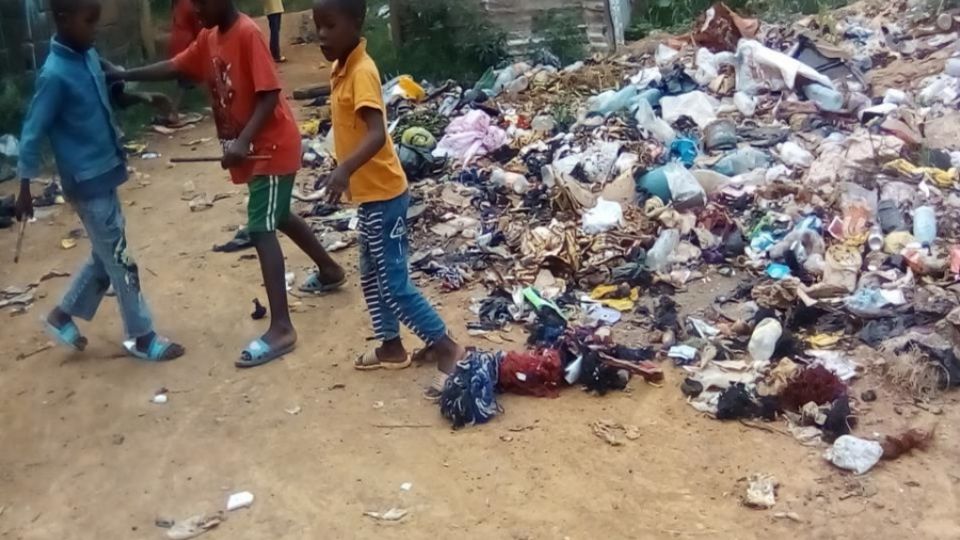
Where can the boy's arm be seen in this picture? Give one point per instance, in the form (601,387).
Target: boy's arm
(339,180)
(239,148)
(41,114)
(161,71)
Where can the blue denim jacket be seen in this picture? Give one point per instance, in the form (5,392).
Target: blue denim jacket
(71,106)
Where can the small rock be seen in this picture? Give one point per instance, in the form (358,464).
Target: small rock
(118,439)
(868,396)
(792,516)
(163,522)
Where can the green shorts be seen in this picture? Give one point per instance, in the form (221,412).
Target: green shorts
(269,203)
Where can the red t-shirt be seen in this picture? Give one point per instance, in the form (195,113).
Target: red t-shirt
(236,65)
(184,27)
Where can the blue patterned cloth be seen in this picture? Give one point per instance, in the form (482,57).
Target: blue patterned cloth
(469,395)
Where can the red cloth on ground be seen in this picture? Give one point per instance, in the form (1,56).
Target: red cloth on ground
(535,373)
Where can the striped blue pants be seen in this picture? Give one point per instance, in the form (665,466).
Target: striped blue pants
(391,296)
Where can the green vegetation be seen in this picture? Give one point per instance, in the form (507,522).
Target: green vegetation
(561,33)
(441,40)
(676,16)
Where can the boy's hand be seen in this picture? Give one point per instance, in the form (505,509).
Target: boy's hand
(336,184)
(113,72)
(23,208)
(234,153)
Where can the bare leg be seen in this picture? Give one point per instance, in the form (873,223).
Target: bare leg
(281,332)
(297,229)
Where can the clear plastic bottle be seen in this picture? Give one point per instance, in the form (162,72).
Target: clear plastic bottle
(827,99)
(925,225)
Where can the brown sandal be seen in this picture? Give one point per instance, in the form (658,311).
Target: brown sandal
(369,361)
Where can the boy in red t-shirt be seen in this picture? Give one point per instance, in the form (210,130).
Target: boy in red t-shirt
(261,148)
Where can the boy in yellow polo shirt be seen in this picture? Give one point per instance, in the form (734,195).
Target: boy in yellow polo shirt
(370,174)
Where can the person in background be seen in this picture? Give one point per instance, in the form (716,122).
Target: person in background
(71,107)
(273,9)
(184,28)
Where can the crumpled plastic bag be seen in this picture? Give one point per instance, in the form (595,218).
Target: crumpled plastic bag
(604,216)
(648,120)
(469,136)
(794,155)
(403,87)
(685,190)
(761,69)
(854,454)
(699,106)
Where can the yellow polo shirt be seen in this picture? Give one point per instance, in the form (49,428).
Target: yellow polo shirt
(355,85)
(271,7)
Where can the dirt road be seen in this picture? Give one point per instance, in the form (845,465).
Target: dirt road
(85,455)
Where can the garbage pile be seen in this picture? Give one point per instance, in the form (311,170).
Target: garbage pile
(582,196)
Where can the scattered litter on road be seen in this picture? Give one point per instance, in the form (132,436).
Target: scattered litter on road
(241,499)
(393,514)
(761,491)
(194,526)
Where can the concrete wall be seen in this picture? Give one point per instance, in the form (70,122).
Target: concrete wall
(26,27)
(603,20)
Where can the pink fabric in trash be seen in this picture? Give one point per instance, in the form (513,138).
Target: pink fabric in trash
(469,136)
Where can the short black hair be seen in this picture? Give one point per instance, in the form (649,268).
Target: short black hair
(355,9)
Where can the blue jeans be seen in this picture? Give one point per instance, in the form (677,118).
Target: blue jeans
(110,263)
(390,294)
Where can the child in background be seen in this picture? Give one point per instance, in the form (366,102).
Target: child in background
(184,28)
(273,9)
(261,148)
(71,107)
(370,173)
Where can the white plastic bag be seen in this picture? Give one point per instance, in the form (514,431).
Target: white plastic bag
(604,216)
(764,340)
(760,68)
(794,155)
(665,55)
(746,104)
(699,106)
(685,190)
(648,120)
(854,454)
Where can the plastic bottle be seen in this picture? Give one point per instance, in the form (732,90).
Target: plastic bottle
(516,86)
(952,68)
(515,181)
(827,99)
(764,340)
(612,101)
(659,254)
(925,225)
(543,123)
(742,161)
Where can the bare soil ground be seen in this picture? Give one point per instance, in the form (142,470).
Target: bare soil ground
(84,453)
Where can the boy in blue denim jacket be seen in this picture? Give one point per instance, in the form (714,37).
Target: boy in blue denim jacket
(72,108)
